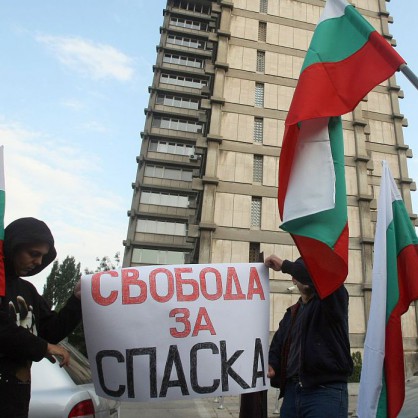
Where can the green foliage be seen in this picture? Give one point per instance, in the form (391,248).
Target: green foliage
(60,285)
(105,264)
(357,362)
(61,281)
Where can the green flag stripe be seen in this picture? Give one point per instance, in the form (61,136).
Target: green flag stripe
(392,296)
(353,32)
(382,409)
(327,226)
(405,233)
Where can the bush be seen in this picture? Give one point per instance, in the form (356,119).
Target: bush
(357,363)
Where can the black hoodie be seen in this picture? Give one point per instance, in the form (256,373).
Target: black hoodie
(27,324)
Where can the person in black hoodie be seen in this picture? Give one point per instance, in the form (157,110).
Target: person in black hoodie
(29,329)
(309,356)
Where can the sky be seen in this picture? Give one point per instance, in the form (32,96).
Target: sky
(74,85)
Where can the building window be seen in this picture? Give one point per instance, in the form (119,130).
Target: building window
(263,6)
(179,80)
(151,226)
(185,41)
(256,212)
(178,101)
(178,124)
(261,61)
(254,253)
(262,31)
(258,169)
(165,199)
(259,94)
(258,130)
(192,6)
(183,60)
(164,172)
(188,24)
(153,256)
(170,147)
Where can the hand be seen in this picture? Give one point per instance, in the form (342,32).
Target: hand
(59,351)
(77,289)
(274,262)
(270,372)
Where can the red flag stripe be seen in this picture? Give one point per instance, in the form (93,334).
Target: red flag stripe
(327,83)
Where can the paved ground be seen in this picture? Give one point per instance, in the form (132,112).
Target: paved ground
(226,407)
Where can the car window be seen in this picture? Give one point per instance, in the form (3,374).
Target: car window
(79,368)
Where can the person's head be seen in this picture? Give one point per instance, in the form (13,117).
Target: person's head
(301,277)
(28,246)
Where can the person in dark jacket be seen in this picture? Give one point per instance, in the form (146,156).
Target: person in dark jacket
(309,357)
(29,329)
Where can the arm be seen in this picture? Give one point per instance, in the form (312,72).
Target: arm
(277,342)
(18,342)
(55,326)
(274,262)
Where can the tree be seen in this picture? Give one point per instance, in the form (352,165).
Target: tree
(59,287)
(61,281)
(105,264)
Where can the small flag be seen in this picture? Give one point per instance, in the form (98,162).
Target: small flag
(395,286)
(346,59)
(2,207)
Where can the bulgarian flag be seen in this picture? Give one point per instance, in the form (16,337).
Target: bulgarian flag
(395,286)
(2,206)
(346,59)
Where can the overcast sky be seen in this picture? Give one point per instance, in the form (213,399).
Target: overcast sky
(75,77)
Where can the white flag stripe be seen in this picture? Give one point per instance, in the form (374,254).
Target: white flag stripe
(333,9)
(374,346)
(2,183)
(311,187)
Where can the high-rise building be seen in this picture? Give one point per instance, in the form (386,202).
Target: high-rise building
(206,187)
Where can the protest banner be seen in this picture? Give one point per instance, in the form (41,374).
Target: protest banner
(177,332)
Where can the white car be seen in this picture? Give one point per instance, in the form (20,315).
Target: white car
(67,392)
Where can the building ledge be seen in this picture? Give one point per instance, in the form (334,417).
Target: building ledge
(214,138)
(219,100)
(222,65)
(365,198)
(207,227)
(210,180)
(362,158)
(227,4)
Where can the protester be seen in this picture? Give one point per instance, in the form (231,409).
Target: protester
(309,357)
(29,329)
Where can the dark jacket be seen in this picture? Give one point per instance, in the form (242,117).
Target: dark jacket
(27,324)
(325,345)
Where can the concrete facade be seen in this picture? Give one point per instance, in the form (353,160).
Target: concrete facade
(206,188)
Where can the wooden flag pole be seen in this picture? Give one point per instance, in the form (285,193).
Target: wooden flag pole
(409,74)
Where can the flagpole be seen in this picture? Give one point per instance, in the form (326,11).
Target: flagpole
(409,74)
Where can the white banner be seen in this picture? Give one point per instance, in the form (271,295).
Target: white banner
(175,332)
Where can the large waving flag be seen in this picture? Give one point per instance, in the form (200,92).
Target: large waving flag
(2,206)
(346,59)
(395,286)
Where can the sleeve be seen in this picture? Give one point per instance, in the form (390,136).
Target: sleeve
(275,351)
(18,342)
(277,342)
(55,326)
